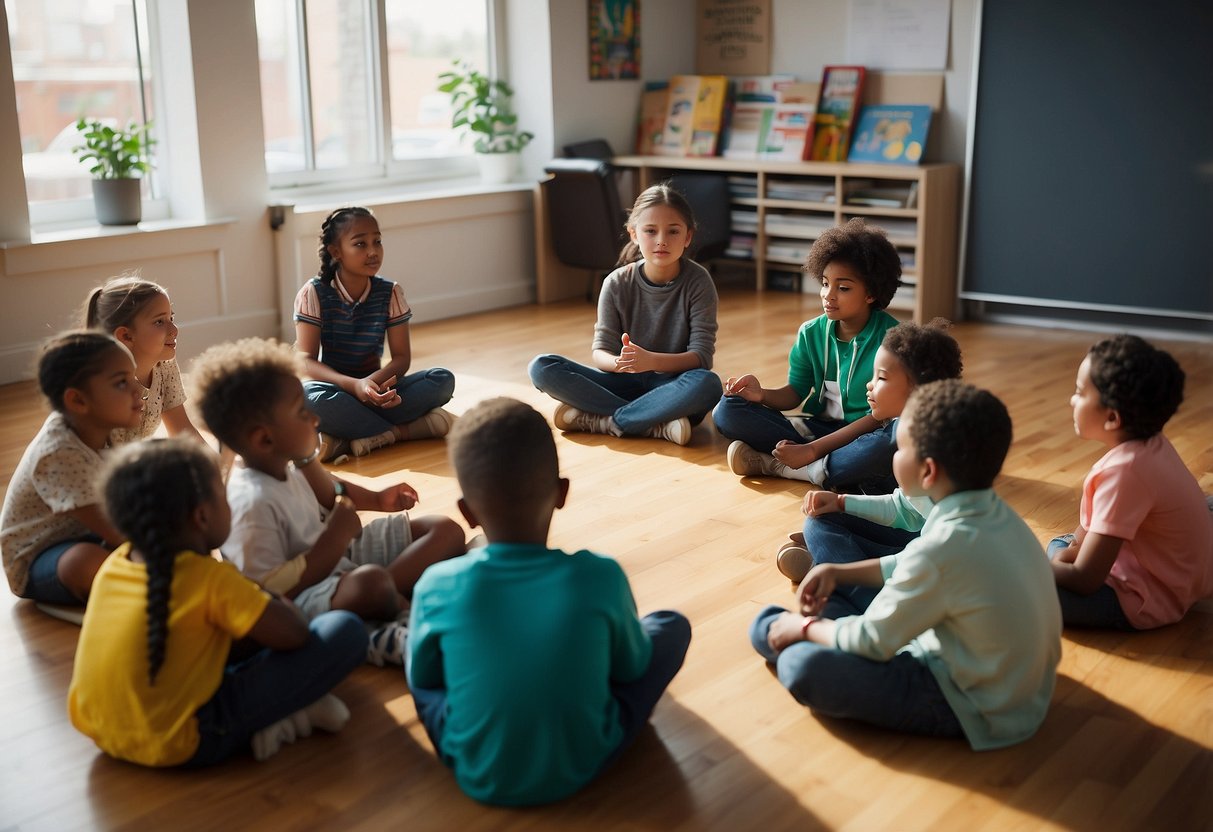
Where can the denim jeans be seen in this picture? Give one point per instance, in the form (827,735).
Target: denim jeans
(273,684)
(900,694)
(42,583)
(762,428)
(343,416)
(636,401)
(845,538)
(1100,609)
(670,633)
(865,464)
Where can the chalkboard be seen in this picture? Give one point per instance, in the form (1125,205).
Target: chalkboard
(1092,174)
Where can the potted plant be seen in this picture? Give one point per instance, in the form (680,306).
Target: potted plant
(481,107)
(115,156)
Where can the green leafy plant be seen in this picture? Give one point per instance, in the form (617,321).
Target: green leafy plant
(481,107)
(114,153)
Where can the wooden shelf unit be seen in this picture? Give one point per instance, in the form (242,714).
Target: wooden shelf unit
(926,232)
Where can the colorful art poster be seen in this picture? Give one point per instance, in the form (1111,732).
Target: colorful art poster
(614,39)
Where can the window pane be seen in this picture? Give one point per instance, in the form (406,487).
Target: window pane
(423,38)
(74,58)
(341,55)
(281,96)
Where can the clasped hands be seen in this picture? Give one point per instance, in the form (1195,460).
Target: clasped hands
(380,394)
(634,358)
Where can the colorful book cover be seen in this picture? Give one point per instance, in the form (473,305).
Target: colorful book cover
(747,131)
(841,88)
(654,103)
(694,115)
(788,134)
(891,134)
(707,120)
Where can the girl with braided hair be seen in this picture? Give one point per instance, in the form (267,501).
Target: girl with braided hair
(341,319)
(156,681)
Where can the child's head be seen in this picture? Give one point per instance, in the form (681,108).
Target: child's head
(956,428)
(246,384)
(910,355)
(660,227)
(165,496)
(349,239)
(505,460)
(88,373)
(138,313)
(860,252)
(1137,386)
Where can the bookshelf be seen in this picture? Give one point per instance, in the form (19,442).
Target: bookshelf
(786,205)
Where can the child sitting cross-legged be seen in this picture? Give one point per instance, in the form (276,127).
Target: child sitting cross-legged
(964,636)
(295,527)
(1142,554)
(528,665)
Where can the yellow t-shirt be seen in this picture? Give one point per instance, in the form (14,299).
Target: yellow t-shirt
(110,699)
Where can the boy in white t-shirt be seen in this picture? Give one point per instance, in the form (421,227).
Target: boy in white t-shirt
(1142,554)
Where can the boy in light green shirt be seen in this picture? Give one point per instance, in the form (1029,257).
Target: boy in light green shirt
(964,636)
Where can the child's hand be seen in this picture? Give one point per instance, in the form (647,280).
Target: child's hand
(794,454)
(746,386)
(817,503)
(816,588)
(633,358)
(368,391)
(344,518)
(396,497)
(785,630)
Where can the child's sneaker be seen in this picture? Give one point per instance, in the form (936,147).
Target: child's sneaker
(436,423)
(569,418)
(285,731)
(362,447)
(794,560)
(744,461)
(332,448)
(328,713)
(387,644)
(677,431)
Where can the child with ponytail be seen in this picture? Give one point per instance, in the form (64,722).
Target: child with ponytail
(154,680)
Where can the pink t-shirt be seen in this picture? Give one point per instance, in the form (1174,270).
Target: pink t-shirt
(1141,491)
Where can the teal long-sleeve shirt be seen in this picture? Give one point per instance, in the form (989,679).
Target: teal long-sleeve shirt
(526,642)
(819,356)
(973,599)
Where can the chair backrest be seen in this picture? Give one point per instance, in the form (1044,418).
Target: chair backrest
(584,212)
(708,196)
(590,149)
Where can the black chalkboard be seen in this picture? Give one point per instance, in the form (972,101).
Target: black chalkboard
(1092,176)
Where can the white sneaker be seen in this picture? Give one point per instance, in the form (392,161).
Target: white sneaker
(267,742)
(569,418)
(387,645)
(431,425)
(677,431)
(362,447)
(744,461)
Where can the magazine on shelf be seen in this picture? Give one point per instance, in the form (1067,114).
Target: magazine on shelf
(841,88)
(891,134)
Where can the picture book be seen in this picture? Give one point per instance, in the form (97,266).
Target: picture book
(841,88)
(891,134)
(747,130)
(694,116)
(788,133)
(654,103)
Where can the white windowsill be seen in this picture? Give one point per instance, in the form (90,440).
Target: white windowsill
(94,231)
(304,200)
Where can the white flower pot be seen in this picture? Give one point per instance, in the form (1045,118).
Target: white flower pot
(497,168)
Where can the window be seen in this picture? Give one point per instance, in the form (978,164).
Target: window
(74,58)
(349,87)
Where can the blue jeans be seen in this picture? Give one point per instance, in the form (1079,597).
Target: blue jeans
(42,583)
(670,633)
(762,428)
(845,538)
(272,685)
(865,464)
(900,694)
(1100,609)
(343,416)
(636,401)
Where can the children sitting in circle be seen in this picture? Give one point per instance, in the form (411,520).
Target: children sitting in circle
(54,535)
(788,431)
(139,314)
(654,338)
(528,665)
(1142,554)
(156,679)
(295,527)
(964,636)
(341,318)
(842,528)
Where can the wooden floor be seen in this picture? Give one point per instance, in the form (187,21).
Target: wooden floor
(1128,743)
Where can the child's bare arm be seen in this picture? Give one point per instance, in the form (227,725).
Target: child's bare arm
(1090,568)
(797,455)
(816,587)
(94,518)
(341,527)
(280,627)
(178,423)
(749,388)
(398,497)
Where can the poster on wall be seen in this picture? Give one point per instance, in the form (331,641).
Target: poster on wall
(733,37)
(614,39)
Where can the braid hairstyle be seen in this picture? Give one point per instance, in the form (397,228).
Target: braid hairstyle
(116,302)
(71,358)
(659,194)
(151,488)
(331,229)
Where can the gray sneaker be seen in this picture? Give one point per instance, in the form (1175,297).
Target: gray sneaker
(677,431)
(387,644)
(569,418)
(744,461)
(362,447)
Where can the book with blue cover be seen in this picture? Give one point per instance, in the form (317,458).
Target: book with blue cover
(891,134)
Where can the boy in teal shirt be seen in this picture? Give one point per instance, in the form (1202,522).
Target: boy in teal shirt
(964,636)
(528,665)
